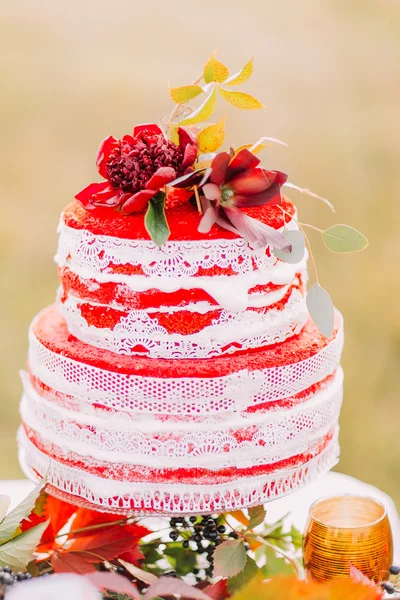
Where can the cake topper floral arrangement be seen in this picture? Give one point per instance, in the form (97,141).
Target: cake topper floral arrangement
(184,152)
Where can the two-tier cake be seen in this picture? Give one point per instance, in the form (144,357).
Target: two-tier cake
(179,370)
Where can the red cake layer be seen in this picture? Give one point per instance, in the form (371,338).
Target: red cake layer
(183,219)
(51,330)
(138,473)
(177,322)
(69,402)
(119,294)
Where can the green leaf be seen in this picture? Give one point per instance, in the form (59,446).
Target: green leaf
(320,307)
(297,538)
(276,565)
(11,522)
(183,560)
(344,239)
(250,571)
(215,70)
(204,111)
(242,76)
(297,241)
(229,558)
(257,516)
(155,220)
(185,93)
(18,552)
(240,100)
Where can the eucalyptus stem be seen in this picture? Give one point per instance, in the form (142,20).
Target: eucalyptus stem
(306,238)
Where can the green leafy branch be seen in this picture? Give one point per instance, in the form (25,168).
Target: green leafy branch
(215,80)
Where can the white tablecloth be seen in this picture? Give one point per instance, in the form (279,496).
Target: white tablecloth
(296,504)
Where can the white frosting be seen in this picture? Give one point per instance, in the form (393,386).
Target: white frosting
(172,498)
(140,333)
(174,265)
(230,291)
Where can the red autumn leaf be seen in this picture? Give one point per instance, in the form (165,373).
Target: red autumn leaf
(105,544)
(86,518)
(218,591)
(113,582)
(31,521)
(64,562)
(89,518)
(134,556)
(59,513)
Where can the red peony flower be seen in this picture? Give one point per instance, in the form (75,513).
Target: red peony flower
(137,167)
(232,183)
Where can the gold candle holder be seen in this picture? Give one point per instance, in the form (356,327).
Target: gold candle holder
(345,530)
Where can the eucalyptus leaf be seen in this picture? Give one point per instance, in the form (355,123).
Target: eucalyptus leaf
(320,307)
(257,516)
(11,522)
(229,558)
(297,241)
(342,239)
(250,571)
(155,220)
(18,552)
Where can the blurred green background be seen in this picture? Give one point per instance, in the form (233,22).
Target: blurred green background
(73,73)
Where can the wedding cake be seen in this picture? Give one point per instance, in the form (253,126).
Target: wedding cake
(179,371)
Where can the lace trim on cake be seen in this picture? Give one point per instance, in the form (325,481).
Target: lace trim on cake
(259,439)
(142,335)
(184,395)
(170,498)
(87,250)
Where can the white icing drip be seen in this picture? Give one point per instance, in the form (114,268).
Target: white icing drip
(227,333)
(230,291)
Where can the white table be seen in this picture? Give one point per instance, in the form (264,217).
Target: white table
(296,504)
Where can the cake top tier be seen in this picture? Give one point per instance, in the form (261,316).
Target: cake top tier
(183,219)
(172,182)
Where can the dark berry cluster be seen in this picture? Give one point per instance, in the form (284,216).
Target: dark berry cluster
(388,586)
(8,578)
(201,535)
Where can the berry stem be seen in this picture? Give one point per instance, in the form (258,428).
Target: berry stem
(92,527)
(198,203)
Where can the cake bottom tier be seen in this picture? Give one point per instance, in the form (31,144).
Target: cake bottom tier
(173,491)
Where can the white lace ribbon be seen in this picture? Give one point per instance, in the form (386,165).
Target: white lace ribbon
(181,395)
(120,497)
(240,442)
(139,333)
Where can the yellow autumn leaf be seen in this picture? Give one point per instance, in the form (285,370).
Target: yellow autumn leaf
(240,100)
(248,146)
(262,143)
(239,516)
(242,76)
(185,93)
(204,111)
(295,589)
(215,70)
(212,137)
(173,133)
